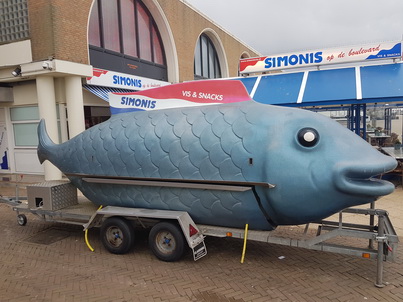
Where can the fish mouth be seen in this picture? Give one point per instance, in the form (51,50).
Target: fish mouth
(364,179)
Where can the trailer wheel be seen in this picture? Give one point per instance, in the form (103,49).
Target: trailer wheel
(21,219)
(166,241)
(117,235)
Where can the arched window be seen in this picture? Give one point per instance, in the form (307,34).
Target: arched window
(206,64)
(125,29)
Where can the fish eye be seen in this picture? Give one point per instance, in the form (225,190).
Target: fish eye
(308,137)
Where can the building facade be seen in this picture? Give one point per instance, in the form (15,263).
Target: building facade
(59,57)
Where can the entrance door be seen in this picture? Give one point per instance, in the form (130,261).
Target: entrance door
(3,148)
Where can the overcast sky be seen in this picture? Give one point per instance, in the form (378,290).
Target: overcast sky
(280,26)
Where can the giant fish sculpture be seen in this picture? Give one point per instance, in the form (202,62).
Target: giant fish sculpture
(226,165)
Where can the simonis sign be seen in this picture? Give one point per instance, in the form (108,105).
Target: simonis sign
(322,57)
(137,102)
(107,78)
(196,93)
(294,59)
(126,81)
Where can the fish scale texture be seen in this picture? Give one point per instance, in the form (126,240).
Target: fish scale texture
(199,143)
(194,145)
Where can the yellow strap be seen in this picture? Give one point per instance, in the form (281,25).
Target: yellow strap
(244,242)
(87,242)
(86,236)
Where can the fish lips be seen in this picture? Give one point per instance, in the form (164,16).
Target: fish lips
(358,178)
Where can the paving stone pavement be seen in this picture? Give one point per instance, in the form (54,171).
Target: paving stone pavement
(62,268)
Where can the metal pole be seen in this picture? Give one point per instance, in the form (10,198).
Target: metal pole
(364,121)
(357,119)
(381,239)
(16,192)
(372,224)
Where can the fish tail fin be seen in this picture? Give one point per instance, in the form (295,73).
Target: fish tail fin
(45,143)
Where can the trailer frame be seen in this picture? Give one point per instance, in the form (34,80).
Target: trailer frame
(86,214)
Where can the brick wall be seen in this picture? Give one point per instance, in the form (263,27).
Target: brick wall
(187,25)
(58,28)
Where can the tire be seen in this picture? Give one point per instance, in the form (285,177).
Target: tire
(21,219)
(166,241)
(117,235)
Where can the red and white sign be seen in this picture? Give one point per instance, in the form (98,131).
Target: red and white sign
(374,51)
(107,78)
(187,94)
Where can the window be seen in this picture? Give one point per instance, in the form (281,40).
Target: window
(130,27)
(144,34)
(25,122)
(94,35)
(158,51)
(125,27)
(110,25)
(13,20)
(206,64)
(95,115)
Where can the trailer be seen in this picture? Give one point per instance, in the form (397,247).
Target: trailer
(170,231)
(57,201)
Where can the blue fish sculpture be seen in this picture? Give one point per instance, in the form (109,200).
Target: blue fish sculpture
(226,164)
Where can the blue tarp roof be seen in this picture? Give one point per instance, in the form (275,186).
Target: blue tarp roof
(361,84)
